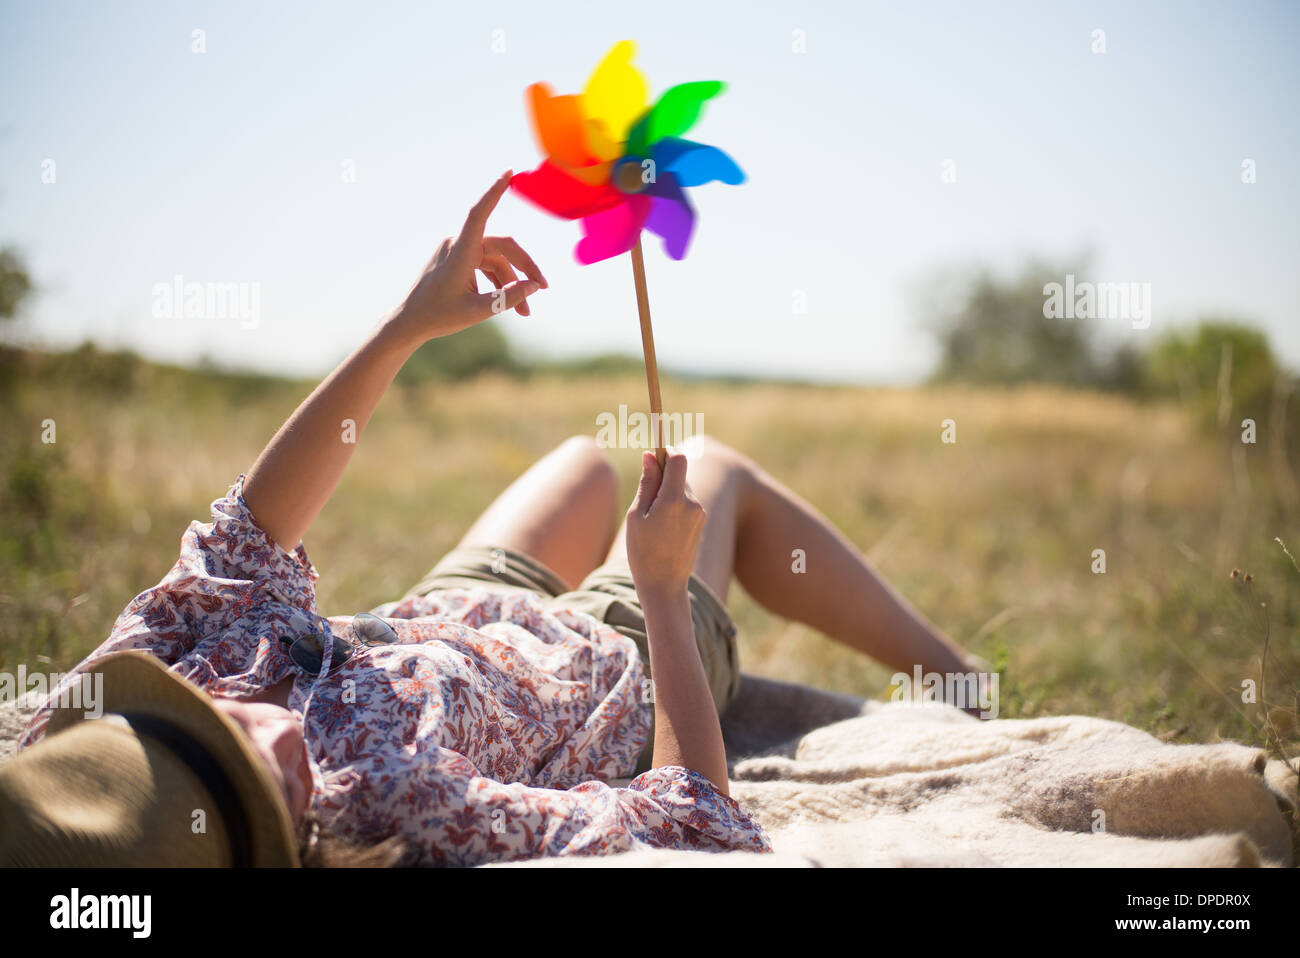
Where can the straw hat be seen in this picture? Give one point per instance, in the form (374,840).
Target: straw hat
(163,779)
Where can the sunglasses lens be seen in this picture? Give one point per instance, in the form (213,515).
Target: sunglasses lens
(342,652)
(372,630)
(306,653)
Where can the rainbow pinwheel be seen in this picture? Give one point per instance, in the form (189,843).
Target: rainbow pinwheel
(619,164)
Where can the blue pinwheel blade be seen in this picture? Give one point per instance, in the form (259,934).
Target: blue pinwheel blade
(694,164)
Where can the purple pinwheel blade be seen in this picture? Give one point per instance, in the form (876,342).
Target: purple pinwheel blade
(694,164)
(665,185)
(671,215)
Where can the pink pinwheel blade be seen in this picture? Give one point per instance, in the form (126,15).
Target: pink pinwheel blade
(671,215)
(612,231)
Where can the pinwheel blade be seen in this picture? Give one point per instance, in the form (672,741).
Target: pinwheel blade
(694,164)
(614,99)
(595,175)
(671,215)
(557,192)
(638,143)
(613,231)
(558,125)
(679,107)
(599,142)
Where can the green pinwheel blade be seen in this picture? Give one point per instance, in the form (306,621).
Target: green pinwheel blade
(638,144)
(675,112)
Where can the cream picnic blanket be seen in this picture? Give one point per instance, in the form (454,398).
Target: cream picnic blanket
(837,780)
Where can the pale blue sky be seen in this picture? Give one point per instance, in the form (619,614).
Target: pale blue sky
(226,166)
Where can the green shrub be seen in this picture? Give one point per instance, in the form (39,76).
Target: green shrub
(1224,370)
(993,331)
(471,351)
(15,284)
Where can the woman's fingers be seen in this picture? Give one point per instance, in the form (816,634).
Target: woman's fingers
(497,269)
(472,232)
(661,485)
(507,246)
(513,294)
(648,489)
(674,483)
(496,257)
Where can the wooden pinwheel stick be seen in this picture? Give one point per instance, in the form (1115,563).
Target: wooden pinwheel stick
(648,347)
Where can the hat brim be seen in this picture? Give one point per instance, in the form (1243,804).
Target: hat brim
(135,681)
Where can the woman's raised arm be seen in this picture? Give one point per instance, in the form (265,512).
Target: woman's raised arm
(299,469)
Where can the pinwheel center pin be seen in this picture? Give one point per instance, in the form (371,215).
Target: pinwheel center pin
(630,175)
(620,165)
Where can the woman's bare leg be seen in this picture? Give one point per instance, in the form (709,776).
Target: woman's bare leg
(757,528)
(562,511)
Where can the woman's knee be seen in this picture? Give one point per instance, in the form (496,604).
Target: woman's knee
(705,453)
(590,465)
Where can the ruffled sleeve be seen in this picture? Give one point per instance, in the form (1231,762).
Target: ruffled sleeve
(217,616)
(706,818)
(455,816)
(233,547)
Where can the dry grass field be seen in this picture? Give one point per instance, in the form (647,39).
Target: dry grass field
(992,536)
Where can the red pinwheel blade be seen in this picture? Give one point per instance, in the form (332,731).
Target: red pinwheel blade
(557,192)
(612,231)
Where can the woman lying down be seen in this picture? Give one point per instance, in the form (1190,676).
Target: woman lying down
(484,716)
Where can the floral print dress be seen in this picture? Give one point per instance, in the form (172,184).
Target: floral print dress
(487,731)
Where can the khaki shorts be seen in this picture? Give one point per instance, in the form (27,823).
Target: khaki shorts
(608,595)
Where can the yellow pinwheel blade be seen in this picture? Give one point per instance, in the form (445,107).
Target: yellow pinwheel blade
(615,98)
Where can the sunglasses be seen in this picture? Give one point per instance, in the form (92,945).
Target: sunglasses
(368,631)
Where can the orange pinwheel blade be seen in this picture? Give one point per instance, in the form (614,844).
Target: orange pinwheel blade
(559,126)
(595,175)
